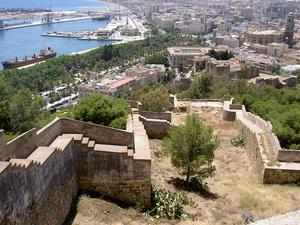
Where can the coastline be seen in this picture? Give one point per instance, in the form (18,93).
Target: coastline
(41,23)
(114,41)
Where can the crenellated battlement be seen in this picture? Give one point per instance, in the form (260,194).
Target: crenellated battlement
(41,171)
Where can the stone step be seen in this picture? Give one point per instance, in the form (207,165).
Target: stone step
(110,148)
(4,166)
(41,154)
(61,142)
(77,137)
(20,163)
(85,140)
(91,144)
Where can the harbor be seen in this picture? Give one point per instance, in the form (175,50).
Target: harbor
(37,23)
(67,30)
(123,28)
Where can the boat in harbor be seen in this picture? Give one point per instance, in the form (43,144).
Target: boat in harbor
(44,55)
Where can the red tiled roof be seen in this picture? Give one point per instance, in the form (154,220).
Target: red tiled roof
(121,82)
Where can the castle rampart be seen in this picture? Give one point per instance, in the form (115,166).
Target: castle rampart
(42,171)
(272,163)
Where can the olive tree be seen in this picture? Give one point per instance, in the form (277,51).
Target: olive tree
(191,146)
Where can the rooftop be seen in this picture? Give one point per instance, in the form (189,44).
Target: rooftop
(188,50)
(264,32)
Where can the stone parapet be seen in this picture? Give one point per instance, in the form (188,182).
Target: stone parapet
(156,128)
(158,115)
(272,163)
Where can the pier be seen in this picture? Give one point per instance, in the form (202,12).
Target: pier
(37,23)
(123,29)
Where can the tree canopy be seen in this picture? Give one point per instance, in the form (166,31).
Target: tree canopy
(191,146)
(220,55)
(24,108)
(102,110)
(200,88)
(156,100)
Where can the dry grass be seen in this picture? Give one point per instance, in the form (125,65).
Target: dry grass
(234,188)
(95,211)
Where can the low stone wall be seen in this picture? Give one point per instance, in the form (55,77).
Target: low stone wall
(158,115)
(102,134)
(260,143)
(228,113)
(235,106)
(281,176)
(283,155)
(201,100)
(173,100)
(26,143)
(252,147)
(156,129)
(136,105)
(288,155)
(264,125)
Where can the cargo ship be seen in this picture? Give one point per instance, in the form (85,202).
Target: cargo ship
(44,55)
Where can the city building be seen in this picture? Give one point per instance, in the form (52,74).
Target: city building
(181,55)
(263,37)
(263,62)
(230,69)
(247,13)
(198,25)
(117,85)
(275,81)
(290,70)
(289,30)
(223,26)
(277,49)
(229,41)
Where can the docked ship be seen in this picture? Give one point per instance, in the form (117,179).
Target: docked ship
(44,55)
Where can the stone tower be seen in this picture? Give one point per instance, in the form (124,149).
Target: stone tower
(289,30)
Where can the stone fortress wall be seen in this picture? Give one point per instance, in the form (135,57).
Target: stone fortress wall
(156,123)
(42,171)
(272,163)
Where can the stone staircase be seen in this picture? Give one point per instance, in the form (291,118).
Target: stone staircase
(42,153)
(42,170)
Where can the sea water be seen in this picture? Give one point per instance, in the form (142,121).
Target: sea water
(28,40)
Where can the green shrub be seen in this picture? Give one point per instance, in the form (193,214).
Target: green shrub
(156,100)
(169,204)
(102,110)
(238,141)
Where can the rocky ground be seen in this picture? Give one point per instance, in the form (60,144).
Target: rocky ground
(233,190)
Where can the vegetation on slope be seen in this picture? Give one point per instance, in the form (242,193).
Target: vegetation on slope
(279,106)
(61,70)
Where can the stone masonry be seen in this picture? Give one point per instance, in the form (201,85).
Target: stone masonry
(272,163)
(42,171)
